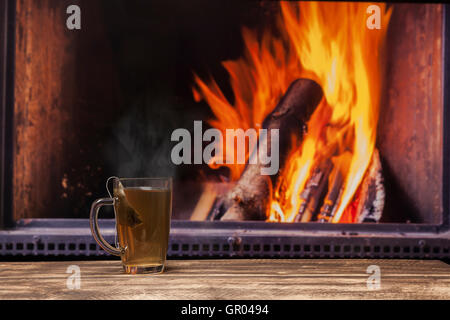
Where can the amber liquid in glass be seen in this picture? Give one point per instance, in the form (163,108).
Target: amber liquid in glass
(143,223)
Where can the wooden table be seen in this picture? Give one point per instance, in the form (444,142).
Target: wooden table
(229,279)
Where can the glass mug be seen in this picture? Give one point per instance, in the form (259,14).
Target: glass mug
(142,207)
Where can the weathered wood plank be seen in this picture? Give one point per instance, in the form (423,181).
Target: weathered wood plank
(229,279)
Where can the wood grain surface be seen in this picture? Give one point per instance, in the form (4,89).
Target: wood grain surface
(229,279)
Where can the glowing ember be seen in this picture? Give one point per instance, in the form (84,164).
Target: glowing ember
(330,44)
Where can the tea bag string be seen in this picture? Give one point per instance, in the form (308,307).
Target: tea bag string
(114,209)
(107,183)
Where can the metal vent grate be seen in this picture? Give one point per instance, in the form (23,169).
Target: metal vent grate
(63,247)
(317,248)
(73,238)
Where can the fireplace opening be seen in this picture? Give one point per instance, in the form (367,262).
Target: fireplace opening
(105,100)
(358,117)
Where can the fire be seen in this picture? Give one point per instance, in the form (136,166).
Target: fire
(258,80)
(330,44)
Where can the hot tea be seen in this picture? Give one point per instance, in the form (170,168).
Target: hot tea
(143,223)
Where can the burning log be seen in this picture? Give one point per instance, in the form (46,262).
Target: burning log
(372,193)
(314,192)
(249,199)
(335,187)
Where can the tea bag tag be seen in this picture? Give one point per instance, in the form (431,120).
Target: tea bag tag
(107,185)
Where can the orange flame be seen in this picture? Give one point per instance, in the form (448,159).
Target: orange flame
(258,80)
(331,44)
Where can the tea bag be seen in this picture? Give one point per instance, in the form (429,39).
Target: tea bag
(128,216)
(132,217)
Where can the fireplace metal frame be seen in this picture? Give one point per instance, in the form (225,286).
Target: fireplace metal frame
(7,51)
(71,237)
(218,239)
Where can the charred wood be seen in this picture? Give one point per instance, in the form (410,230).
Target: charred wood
(249,199)
(312,196)
(372,195)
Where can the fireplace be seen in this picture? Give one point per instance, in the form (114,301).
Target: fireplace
(81,105)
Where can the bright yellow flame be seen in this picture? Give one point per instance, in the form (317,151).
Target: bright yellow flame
(338,50)
(330,43)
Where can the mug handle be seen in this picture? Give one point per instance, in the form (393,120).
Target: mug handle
(93,222)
